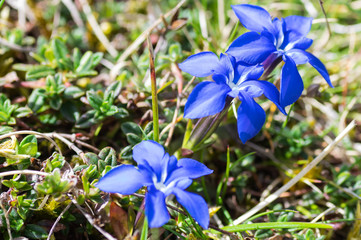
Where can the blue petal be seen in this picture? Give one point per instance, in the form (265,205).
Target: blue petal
(124,179)
(195,205)
(253,17)
(269,90)
(202,64)
(299,24)
(250,117)
(207,98)
(315,62)
(297,57)
(291,82)
(151,155)
(188,168)
(295,40)
(226,68)
(155,208)
(251,48)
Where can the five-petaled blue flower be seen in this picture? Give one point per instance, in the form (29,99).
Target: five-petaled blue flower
(270,39)
(231,79)
(163,175)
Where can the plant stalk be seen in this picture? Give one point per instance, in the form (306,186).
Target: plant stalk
(154,92)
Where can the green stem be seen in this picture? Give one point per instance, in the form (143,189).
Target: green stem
(154,92)
(275,225)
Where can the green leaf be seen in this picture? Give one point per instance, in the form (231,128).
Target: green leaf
(70,111)
(115,87)
(55,102)
(59,48)
(5,129)
(92,158)
(122,113)
(35,232)
(36,99)
(22,112)
(87,119)
(73,92)
(131,127)
(39,71)
(109,156)
(76,58)
(97,57)
(133,139)
(28,146)
(85,62)
(94,100)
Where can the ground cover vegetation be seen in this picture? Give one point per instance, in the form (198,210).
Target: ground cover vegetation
(180,119)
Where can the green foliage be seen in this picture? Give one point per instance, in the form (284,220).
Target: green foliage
(55,57)
(9,112)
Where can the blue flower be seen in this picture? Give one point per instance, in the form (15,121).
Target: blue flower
(269,39)
(163,175)
(231,79)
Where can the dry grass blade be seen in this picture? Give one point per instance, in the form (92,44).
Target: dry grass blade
(294,180)
(134,46)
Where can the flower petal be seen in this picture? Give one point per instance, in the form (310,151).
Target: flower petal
(151,154)
(207,98)
(247,72)
(315,62)
(251,117)
(253,17)
(299,24)
(195,205)
(124,179)
(295,40)
(251,48)
(291,82)
(155,208)
(188,168)
(297,56)
(269,90)
(201,64)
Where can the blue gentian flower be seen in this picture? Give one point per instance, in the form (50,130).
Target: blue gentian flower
(270,39)
(163,175)
(230,80)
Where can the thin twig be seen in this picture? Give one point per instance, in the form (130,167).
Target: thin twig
(135,45)
(294,180)
(25,172)
(72,146)
(97,30)
(90,219)
(15,47)
(57,220)
(33,133)
(324,13)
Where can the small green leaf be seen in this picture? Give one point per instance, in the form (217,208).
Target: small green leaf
(28,146)
(133,139)
(36,99)
(35,232)
(94,100)
(73,92)
(131,127)
(85,62)
(108,155)
(39,71)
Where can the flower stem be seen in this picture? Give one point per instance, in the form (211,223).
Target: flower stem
(154,92)
(205,127)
